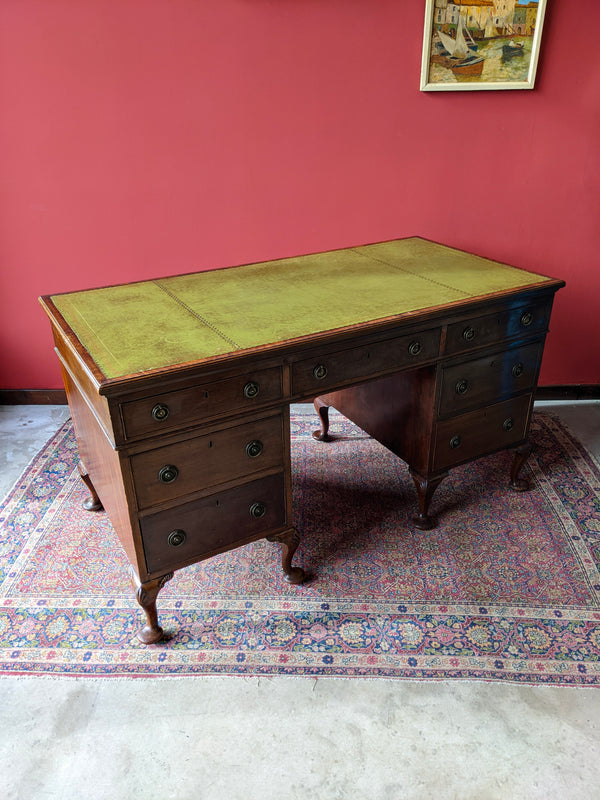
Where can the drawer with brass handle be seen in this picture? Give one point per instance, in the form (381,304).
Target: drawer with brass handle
(491,328)
(313,376)
(482,380)
(173,410)
(175,470)
(477,433)
(212,524)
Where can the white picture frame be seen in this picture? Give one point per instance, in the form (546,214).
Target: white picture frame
(481,46)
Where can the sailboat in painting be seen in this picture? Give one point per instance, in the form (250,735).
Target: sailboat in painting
(462,58)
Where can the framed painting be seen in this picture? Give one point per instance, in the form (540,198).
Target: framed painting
(481,44)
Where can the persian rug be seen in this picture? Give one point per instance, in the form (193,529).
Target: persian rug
(506,588)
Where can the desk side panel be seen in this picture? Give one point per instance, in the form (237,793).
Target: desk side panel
(73,364)
(106,469)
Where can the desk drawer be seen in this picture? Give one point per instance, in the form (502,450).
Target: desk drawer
(313,376)
(483,380)
(204,461)
(480,432)
(172,410)
(526,320)
(205,527)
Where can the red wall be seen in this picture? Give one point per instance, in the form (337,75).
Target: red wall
(148,137)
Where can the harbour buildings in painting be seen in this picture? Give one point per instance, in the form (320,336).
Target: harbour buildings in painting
(487,18)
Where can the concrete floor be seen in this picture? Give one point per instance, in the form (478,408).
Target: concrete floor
(289,738)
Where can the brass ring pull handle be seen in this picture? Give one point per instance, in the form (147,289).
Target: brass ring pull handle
(526,318)
(414,348)
(462,386)
(455,442)
(168,474)
(469,334)
(160,412)
(320,372)
(508,424)
(258,510)
(254,448)
(176,538)
(251,390)
(517,369)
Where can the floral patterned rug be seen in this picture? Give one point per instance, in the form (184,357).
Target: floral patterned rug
(506,588)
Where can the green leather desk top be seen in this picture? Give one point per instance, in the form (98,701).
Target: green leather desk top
(153,324)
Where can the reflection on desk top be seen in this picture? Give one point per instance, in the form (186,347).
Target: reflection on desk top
(149,325)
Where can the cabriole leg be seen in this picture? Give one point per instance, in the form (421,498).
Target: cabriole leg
(425,489)
(289,540)
(521,455)
(322,409)
(146,594)
(91,503)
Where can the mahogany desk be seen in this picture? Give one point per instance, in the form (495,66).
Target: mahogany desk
(180,388)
